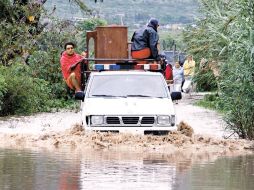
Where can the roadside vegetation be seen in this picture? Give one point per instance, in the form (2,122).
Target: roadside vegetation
(31,43)
(224,36)
(211,101)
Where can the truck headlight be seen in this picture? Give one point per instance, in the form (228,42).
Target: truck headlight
(163,120)
(97,120)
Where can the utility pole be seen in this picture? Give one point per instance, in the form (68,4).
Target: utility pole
(121,15)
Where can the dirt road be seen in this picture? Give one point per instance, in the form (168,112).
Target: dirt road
(203,121)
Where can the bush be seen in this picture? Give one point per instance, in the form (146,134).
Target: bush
(212,101)
(3,89)
(46,66)
(225,34)
(205,81)
(22,94)
(238,96)
(87,25)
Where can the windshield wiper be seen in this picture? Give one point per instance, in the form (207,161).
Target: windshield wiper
(104,95)
(140,95)
(137,95)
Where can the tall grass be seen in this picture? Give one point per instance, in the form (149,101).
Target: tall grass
(225,35)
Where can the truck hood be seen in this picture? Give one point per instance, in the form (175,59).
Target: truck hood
(128,106)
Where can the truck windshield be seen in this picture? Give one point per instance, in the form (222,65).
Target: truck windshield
(128,86)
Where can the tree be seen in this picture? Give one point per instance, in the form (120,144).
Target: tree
(20,27)
(27,89)
(225,35)
(88,25)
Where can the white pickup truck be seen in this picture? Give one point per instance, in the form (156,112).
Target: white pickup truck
(128,101)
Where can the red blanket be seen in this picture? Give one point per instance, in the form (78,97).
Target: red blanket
(67,61)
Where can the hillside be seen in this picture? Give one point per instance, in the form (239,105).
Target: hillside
(131,12)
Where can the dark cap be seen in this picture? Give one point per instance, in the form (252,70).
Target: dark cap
(153,22)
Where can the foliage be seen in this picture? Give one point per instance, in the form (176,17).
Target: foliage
(170,40)
(46,66)
(13,41)
(45,60)
(22,94)
(33,49)
(212,101)
(238,96)
(205,80)
(87,25)
(225,35)
(3,90)
(20,27)
(91,24)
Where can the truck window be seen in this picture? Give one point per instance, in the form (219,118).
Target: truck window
(128,86)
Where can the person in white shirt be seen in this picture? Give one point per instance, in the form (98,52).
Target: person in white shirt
(177,77)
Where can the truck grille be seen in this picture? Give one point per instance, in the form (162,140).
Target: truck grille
(130,120)
(113,120)
(135,120)
(147,120)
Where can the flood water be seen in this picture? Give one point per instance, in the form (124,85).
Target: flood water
(104,169)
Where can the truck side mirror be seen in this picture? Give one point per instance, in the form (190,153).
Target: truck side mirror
(176,95)
(79,96)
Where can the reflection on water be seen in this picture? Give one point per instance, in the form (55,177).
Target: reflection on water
(126,174)
(121,170)
(225,173)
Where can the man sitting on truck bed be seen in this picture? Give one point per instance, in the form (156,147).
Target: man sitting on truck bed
(70,66)
(145,41)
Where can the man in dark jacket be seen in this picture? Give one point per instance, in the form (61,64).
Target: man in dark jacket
(145,41)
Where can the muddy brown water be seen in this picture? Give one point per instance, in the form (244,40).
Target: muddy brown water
(111,169)
(52,151)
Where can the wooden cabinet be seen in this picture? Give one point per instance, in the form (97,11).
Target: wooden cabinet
(109,42)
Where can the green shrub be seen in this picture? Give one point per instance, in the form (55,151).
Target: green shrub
(87,25)
(238,97)
(212,101)
(46,66)
(225,35)
(23,94)
(205,81)
(3,89)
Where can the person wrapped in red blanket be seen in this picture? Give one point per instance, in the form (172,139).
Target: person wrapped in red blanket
(70,66)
